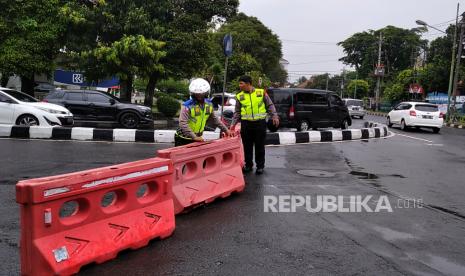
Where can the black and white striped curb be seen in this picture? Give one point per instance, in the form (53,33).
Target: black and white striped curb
(455,126)
(289,138)
(92,134)
(167,136)
(377,113)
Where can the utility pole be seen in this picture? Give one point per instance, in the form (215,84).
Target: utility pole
(452,64)
(378,82)
(459,57)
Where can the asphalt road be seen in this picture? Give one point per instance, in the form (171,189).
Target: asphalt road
(235,236)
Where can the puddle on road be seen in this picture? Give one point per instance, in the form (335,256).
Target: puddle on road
(438,263)
(392,235)
(364,175)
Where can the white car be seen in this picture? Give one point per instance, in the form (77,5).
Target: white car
(355,108)
(416,114)
(229,99)
(17,108)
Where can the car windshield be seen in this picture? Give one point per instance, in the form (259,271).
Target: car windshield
(426,107)
(20,96)
(354,103)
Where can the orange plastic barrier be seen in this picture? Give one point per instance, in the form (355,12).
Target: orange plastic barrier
(71,220)
(205,171)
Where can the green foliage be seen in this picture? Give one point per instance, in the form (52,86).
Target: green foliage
(399,48)
(395,92)
(319,82)
(31,35)
(358,87)
(168,106)
(255,48)
(128,56)
(233,86)
(176,89)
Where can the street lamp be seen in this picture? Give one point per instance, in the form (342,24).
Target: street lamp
(452,64)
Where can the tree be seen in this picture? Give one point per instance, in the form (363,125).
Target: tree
(400,47)
(181,24)
(320,81)
(31,35)
(127,57)
(398,89)
(358,89)
(254,44)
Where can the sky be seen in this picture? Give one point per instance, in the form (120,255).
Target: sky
(310,29)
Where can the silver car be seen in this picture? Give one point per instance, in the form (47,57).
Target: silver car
(355,107)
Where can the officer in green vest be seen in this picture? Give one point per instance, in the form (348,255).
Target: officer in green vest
(252,107)
(195,114)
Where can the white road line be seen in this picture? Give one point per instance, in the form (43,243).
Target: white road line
(415,138)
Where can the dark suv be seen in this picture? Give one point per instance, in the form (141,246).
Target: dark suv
(88,105)
(309,108)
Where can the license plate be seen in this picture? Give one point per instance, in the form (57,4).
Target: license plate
(427,117)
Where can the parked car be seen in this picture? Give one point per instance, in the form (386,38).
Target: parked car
(229,102)
(88,105)
(306,109)
(17,108)
(416,114)
(355,108)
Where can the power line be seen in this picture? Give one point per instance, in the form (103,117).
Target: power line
(311,42)
(313,62)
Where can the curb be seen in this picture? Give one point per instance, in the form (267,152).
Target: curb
(371,130)
(376,113)
(455,126)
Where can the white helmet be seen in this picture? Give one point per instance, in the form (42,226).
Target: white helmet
(199,86)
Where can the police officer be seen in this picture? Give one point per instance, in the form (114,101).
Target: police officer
(195,114)
(252,106)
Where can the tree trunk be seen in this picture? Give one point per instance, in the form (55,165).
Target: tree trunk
(27,84)
(150,90)
(4,80)
(126,89)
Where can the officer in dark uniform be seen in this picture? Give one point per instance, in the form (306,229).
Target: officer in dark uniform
(252,107)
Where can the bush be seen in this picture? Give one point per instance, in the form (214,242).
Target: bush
(168,106)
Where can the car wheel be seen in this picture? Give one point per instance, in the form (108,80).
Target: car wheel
(27,120)
(436,130)
(361,117)
(129,120)
(344,124)
(303,126)
(389,123)
(403,126)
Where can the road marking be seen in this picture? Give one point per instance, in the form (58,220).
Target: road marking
(437,145)
(411,137)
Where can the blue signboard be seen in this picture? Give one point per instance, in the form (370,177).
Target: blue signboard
(77,78)
(227,45)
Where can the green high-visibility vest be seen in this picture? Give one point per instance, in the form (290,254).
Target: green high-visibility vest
(252,105)
(199,116)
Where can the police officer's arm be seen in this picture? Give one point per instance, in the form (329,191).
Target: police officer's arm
(237,113)
(270,107)
(213,119)
(184,123)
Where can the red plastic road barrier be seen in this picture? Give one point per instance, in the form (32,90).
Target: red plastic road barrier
(205,171)
(71,220)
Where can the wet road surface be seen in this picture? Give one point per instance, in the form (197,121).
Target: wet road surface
(235,236)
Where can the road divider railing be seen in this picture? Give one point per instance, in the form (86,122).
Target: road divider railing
(71,220)
(205,171)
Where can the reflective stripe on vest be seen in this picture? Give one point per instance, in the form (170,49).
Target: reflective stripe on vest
(252,105)
(199,117)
